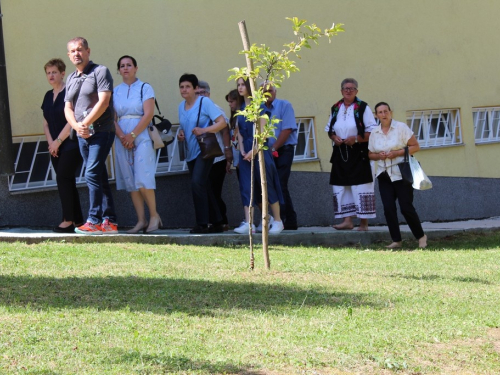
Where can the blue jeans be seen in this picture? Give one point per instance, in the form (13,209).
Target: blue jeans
(94,151)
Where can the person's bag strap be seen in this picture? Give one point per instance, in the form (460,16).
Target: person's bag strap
(156,103)
(407,155)
(199,112)
(81,80)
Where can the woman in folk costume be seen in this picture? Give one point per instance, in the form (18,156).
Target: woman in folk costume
(351,121)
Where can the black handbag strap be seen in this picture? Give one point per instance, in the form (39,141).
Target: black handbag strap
(199,112)
(80,81)
(407,155)
(156,103)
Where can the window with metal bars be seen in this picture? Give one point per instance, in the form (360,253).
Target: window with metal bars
(306,140)
(34,171)
(436,127)
(486,124)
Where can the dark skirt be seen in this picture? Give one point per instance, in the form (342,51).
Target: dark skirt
(350,165)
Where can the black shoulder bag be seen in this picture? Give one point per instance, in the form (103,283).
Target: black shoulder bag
(405,169)
(209,146)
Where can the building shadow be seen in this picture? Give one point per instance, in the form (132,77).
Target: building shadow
(168,295)
(166,364)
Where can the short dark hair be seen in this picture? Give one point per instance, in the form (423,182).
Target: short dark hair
(188,77)
(57,62)
(81,40)
(381,104)
(125,57)
(233,95)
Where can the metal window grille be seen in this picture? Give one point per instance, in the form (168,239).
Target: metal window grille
(33,168)
(436,128)
(306,139)
(486,124)
(171,159)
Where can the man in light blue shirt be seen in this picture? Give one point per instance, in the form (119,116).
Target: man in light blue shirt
(283,149)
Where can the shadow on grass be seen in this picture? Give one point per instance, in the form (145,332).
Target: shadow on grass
(438,277)
(165,364)
(467,241)
(163,295)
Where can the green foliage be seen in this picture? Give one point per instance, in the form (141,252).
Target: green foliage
(275,67)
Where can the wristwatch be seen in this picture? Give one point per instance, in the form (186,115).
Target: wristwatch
(132,134)
(273,149)
(356,139)
(59,140)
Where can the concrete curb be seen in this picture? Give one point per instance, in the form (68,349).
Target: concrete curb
(306,236)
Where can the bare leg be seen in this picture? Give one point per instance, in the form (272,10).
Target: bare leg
(422,242)
(138,202)
(275,209)
(65,223)
(363,225)
(395,245)
(345,225)
(149,197)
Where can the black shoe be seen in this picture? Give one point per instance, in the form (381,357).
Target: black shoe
(199,230)
(290,227)
(216,228)
(70,229)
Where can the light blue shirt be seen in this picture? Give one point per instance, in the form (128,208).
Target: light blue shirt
(187,120)
(282,110)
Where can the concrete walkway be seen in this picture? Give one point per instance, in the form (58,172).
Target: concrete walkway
(306,236)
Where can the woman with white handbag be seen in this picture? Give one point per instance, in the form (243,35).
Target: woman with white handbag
(387,147)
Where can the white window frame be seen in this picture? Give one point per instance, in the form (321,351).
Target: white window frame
(306,132)
(436,127)
(486,124)
(168,159)
(49,180)
(173,164)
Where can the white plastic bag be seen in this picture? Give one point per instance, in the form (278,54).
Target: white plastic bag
(420,179)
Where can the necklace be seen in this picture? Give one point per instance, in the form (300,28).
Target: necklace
(346,153)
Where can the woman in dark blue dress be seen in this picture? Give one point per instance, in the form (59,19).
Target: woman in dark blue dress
(245,140)
(64,152)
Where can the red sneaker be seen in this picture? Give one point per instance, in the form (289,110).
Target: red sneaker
(89,228)
(108,227)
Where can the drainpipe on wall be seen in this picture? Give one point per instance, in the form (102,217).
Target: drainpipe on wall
(6,147)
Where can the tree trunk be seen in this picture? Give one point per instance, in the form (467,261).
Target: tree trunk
(263,179)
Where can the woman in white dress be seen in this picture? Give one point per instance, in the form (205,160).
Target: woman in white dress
(135,158)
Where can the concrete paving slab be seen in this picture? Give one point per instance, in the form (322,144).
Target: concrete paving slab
(304,236)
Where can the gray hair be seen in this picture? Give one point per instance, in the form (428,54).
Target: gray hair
(348,80)
(204,85)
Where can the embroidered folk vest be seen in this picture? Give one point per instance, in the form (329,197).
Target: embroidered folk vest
(359,110)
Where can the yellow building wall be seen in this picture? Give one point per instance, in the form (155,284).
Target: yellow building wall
(415,55)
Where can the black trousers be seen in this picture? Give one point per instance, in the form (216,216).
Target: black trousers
(203,196)
(389,192)
(217,176)
(66,166)
(284,166)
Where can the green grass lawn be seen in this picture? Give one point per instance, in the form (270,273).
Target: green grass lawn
(162,309)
